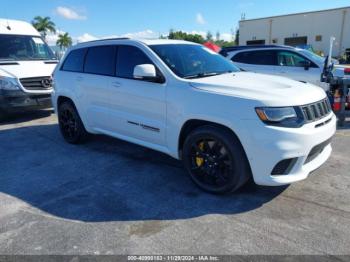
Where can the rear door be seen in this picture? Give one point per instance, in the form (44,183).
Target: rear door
(292,65)
(71,75)
(138,107)
(99,71)
(259,61)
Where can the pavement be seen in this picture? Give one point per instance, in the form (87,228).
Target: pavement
(112,197)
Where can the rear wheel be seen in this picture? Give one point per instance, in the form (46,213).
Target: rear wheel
(215,160)
(71,126)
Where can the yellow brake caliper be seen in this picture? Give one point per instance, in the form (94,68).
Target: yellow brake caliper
(200,160)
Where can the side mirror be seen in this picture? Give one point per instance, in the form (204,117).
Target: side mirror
(306,64)
(145,71)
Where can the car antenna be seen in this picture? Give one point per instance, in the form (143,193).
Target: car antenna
(8,27)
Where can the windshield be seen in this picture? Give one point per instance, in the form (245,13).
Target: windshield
(193,61)
(22,47)
(314,57)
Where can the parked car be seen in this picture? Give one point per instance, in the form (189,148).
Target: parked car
(189,102)
(295,63)
(26,65)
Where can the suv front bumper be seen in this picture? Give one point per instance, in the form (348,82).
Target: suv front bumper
(17,100)
(308,146)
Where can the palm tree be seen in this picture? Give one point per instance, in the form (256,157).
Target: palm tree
(44,25)
(64,41)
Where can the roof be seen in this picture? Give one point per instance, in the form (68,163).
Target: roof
(293,14)
(16,27)
(164,41)
(144,41)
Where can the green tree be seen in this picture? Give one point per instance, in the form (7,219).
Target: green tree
(237,37)
(64,41)
(44,25)
(217,37)
(227,44)
(209,36)
(197,38)
(187,37)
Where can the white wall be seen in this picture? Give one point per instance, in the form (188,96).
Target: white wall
(325,23)
(346,38)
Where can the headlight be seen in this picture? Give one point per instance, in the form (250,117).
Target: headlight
(280,116)
(8,83)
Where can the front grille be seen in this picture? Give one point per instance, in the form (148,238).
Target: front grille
(37,83)
(317,150)
(316,111)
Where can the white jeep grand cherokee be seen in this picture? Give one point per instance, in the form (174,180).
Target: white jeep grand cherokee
(184,100)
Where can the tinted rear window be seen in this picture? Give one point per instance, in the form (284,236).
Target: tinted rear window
(75,60)
(266,57)
(100,60)
(128,58)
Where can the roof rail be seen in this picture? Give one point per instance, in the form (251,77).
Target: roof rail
(104,39)
(242,47)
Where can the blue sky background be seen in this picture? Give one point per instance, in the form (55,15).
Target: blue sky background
(149,18)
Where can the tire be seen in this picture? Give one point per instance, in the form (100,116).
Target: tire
(71,126)
(215,160)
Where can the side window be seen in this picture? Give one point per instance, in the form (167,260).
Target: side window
(286,58)
(75,60)
(100,60)
(265,57)
(242,57)
(128,57)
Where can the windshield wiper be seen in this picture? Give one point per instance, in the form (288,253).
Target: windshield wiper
(39,58)
(201,75)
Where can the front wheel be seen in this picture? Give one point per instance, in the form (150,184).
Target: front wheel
(215,160)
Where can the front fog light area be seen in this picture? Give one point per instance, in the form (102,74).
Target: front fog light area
(284,167)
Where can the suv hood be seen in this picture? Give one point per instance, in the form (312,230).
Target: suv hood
(24,69)
(267,89)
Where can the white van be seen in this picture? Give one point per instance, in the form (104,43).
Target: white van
(26,66)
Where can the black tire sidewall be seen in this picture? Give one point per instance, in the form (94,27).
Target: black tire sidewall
(81,132)
(240,173)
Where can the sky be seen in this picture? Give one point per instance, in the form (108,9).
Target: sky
(91,19)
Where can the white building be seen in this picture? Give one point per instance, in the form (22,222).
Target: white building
(311,28)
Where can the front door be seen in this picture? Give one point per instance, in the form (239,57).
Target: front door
(292,65)
(138,107)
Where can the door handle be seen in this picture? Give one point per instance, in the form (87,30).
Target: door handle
(116,84)
(79,78)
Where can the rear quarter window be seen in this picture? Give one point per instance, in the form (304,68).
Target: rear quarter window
(75,60)
(265,57)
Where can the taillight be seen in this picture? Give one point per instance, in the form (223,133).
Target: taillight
(347,70)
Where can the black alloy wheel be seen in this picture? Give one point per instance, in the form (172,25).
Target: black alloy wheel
(71,126)
(215,160)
